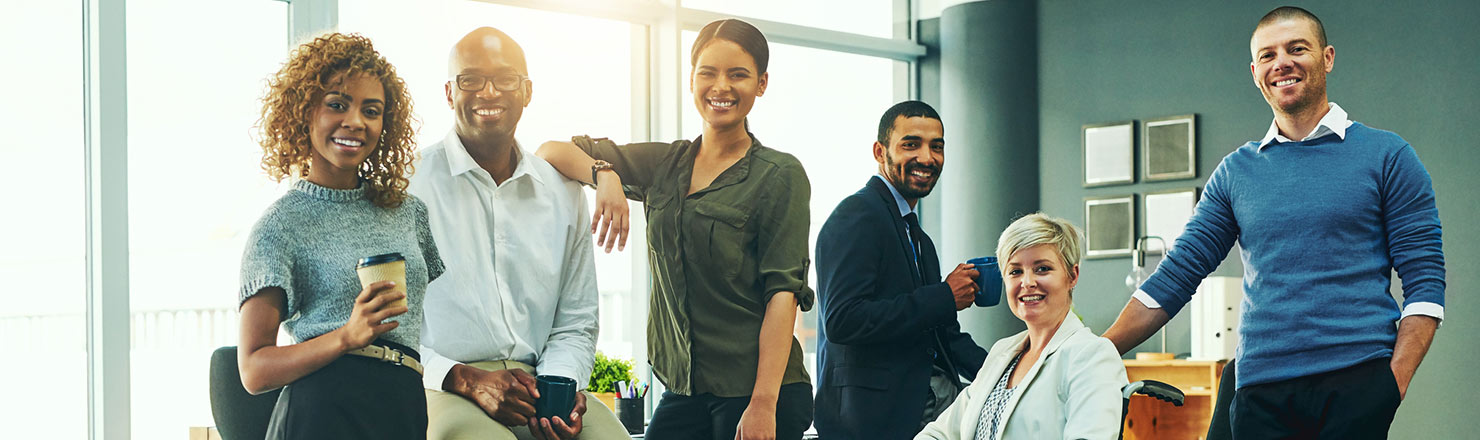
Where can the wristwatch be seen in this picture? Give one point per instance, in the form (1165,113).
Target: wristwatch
(598,167)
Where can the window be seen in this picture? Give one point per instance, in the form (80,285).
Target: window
(195,189)
(802,114)
(875,18)
(581,69)
(43,245)
(196,73)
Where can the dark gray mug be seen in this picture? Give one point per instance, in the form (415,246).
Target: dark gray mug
(557,397)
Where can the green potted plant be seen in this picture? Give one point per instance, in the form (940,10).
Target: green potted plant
(604,377)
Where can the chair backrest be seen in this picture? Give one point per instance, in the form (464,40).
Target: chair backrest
(239,415)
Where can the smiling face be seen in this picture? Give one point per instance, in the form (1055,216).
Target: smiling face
(914,157)
(1290,65)
(725,84)
(345,129)
(1039,285)
(487,115)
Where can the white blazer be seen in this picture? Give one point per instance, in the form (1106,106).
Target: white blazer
(1072,392)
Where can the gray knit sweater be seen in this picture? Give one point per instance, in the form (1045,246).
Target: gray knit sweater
(308,242)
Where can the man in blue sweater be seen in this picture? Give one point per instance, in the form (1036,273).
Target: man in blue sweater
(1324,209)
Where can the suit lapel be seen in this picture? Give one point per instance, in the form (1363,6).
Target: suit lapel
(898,224)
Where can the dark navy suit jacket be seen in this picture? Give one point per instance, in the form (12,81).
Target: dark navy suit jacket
(883,324)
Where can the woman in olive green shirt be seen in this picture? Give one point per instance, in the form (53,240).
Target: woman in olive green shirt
(727,235)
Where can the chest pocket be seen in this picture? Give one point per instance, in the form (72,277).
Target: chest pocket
(725,239)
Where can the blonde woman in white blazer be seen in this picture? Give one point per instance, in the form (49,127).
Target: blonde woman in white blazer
(1055,380)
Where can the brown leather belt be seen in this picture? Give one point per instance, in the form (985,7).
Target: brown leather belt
(387,354)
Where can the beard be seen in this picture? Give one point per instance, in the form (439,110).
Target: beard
(899,177)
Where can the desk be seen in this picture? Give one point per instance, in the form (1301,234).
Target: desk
(1153,419)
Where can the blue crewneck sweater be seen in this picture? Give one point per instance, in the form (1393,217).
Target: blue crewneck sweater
(1321,224)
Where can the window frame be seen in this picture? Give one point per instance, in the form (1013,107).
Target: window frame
(657,91)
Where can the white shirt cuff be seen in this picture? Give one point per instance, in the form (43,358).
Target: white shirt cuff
(1145,299)
(1426,309)
(557,369)
(435,368)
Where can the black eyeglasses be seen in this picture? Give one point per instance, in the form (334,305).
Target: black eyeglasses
(503,82)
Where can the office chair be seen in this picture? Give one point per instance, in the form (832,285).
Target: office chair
(239,415)
(1160,390)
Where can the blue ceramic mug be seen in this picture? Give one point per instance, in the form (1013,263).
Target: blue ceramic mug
(988,281)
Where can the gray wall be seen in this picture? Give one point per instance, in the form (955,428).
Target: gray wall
(991,172)
(1408,69)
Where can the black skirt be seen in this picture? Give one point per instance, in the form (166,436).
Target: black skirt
(354,397)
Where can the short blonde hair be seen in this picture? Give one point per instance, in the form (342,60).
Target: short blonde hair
(1036,229)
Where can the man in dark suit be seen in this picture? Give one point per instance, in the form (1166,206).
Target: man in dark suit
(891,352)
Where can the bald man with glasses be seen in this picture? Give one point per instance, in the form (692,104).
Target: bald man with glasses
(519,297)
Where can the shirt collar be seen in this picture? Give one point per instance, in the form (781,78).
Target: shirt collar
(904,206)
(1335,121)
(459,161)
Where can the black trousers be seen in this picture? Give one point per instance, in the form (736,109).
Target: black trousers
(353,397)
(707,416)
(1357,402)
(1219,427)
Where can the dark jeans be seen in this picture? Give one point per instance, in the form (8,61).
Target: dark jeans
(353,397)
(1357,402)
(1219,427)
(707,416)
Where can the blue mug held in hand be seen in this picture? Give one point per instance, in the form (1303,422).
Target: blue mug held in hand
(988,281)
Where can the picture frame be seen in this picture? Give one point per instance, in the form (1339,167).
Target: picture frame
(1165,213)
(1109,226)
(1108,153)
(1169,148)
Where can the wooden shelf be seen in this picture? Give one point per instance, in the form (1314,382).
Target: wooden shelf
(1153,419)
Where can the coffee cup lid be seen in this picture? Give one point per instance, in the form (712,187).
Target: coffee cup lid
(379,259)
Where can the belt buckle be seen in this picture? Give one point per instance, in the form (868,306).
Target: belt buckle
(391,355)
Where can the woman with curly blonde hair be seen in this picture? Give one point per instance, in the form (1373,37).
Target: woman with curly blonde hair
(337,119)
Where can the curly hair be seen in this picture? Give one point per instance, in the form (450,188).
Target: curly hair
(296,90)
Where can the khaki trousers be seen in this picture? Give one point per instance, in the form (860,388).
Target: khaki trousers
(453,417)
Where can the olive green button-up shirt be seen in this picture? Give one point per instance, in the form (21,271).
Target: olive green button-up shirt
(717,257)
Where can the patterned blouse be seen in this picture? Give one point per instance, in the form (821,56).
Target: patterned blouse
(986,425)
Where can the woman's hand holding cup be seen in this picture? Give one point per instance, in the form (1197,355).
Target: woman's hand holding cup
(373,306)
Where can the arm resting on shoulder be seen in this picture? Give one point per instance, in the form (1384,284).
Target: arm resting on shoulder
(568,159)
(1136,323)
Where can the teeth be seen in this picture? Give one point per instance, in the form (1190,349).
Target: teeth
(920,173)
(347,142)
(721,104)
(493,112)
(1285,82)
(1031,298)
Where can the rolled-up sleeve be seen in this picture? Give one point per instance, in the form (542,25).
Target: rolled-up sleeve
(1415,238)
(782,238)
(638,164)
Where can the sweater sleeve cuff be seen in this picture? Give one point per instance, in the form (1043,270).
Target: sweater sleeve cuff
(1425,309)
(1151,303)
